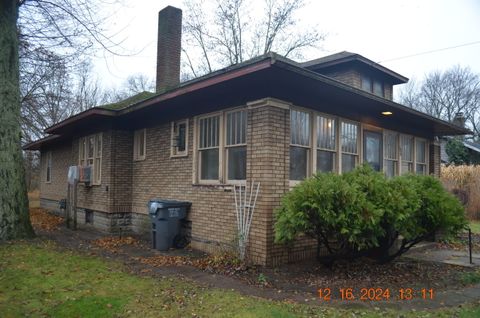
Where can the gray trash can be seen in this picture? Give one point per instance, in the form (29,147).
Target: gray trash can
(166,218)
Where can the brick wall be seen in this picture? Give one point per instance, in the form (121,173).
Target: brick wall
(350,77)
(435,159)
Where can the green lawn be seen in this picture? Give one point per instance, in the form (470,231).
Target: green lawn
(475,226)
(38,280)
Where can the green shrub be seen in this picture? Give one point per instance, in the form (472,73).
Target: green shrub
(363,213)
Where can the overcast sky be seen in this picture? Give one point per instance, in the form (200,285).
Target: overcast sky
(394,33)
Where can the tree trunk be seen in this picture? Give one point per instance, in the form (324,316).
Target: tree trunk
(14,216)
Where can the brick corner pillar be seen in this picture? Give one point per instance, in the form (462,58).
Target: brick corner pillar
(435,160)
(268,139)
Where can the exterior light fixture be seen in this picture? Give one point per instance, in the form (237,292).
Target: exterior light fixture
(387,113)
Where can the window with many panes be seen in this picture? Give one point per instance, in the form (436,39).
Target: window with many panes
(406,146)
(209,144)
(421,156)
(349,145)
(236,145)
(299,144)
(179,142)
(326,144)
(90,154)
(48,177)
(390,155)
(139,144)
(222,147)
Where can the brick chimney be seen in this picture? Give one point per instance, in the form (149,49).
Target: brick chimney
(168,48)
(459,119)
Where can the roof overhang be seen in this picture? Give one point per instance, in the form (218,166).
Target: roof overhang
(38,144)
(268,76)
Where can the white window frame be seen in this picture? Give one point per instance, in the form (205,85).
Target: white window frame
(136,144)
(48,167)
(174,152)
(96,160)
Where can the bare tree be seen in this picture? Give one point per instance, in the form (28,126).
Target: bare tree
(233,34)
(444,94)
(71,27)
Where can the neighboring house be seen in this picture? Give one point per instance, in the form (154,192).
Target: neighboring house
(473,150)
(268,119)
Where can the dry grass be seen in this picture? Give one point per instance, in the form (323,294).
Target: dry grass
(464,181)
(34,199)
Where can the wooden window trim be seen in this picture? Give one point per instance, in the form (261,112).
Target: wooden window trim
(136,149)
(222,149)
(83,160)
(174,153)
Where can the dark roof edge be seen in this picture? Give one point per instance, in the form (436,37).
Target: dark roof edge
(84,114)
(216,77)
(328,80)
(35,145)
(354,57)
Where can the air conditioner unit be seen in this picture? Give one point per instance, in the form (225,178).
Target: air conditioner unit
(85,175)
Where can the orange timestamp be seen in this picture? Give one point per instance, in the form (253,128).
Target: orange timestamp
(376,294)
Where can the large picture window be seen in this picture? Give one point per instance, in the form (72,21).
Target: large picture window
(326,144)
(90,154)
(349,140)
(299,144)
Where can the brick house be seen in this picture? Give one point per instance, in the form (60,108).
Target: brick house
(269,119)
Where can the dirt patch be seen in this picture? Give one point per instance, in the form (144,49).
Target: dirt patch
(42,220)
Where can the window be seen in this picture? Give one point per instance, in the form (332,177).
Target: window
(378,88)
(372,86)
(349,140)
(406,144)
(139,144)
(326,144)
(48,177)
(179,143)
(222,147)
(366,83)
(90,154)
(421,156)
(390,154)
(299,144)
(236,146)
(209,147)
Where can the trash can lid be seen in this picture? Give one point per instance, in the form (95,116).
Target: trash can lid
(161,203)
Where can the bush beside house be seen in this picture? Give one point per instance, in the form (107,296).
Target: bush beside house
(362,213)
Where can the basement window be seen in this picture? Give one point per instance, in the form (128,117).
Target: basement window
(88,216)
(179,140)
